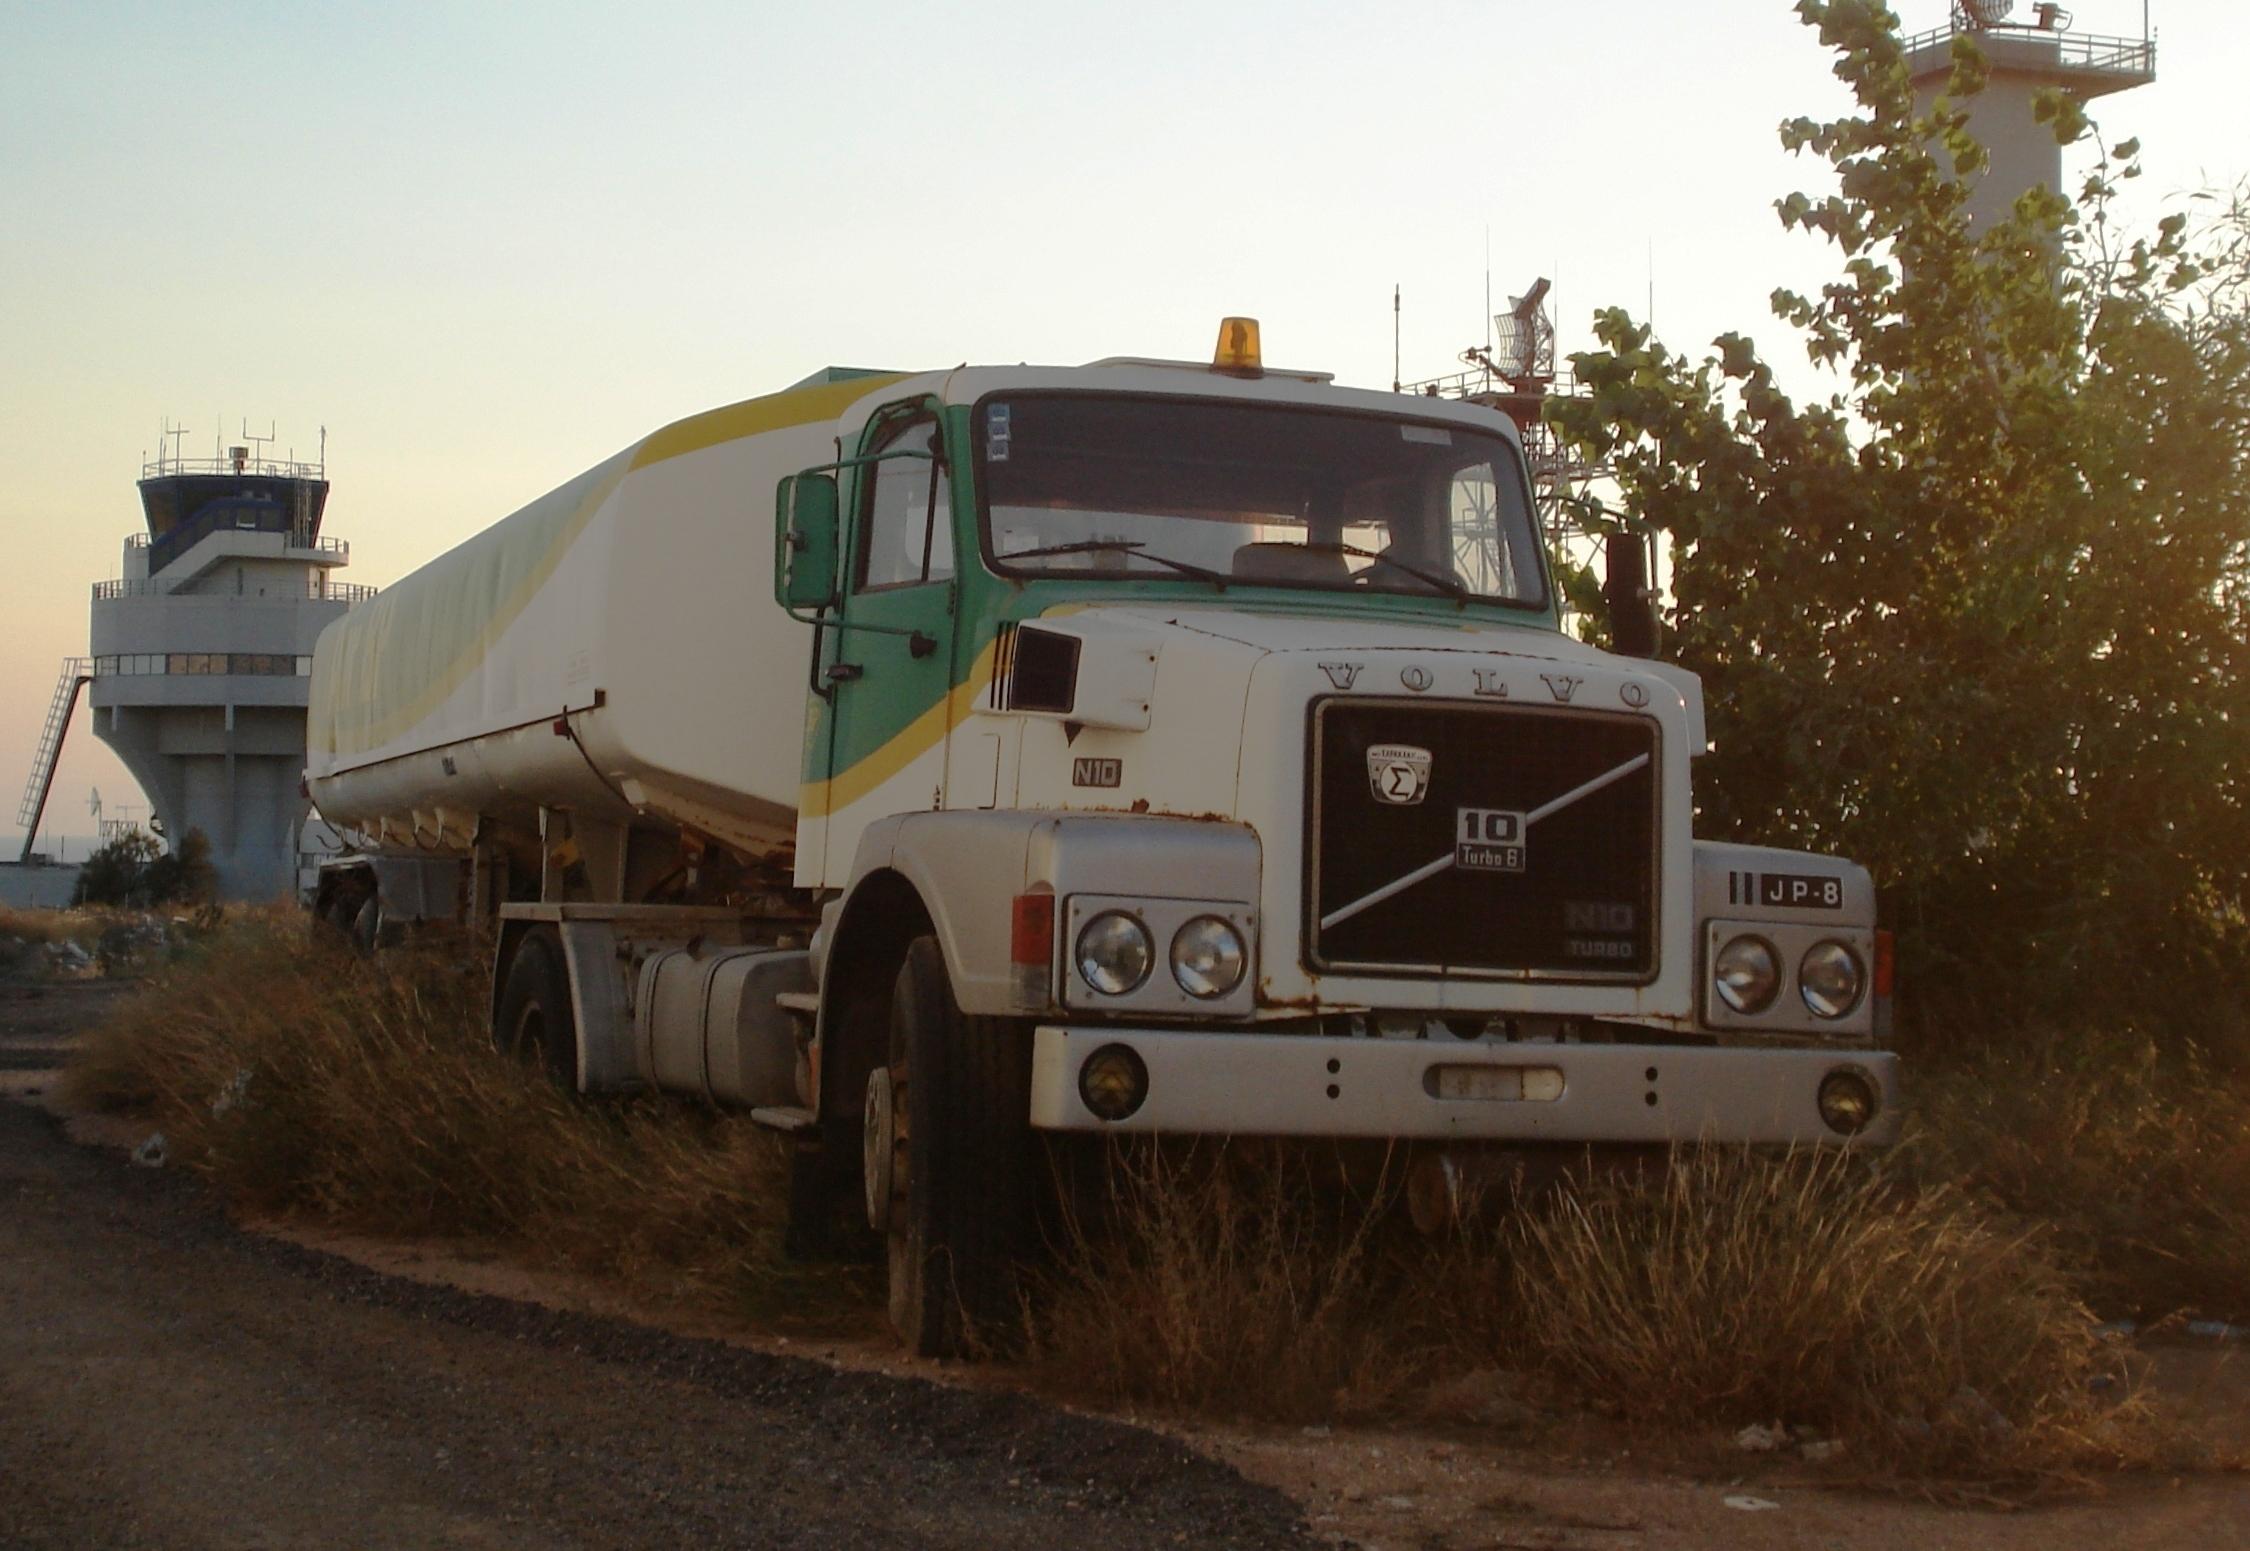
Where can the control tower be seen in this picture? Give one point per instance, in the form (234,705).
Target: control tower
(202,651)
(2025,58)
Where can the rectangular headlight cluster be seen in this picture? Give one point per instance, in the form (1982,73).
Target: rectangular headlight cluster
(1150,957)
(1799,953)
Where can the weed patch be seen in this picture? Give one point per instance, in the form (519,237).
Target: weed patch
(1938,1334)
(308,1083)
(2138,1165)
(1738,1288)
(1225,1279)
(1724,1289)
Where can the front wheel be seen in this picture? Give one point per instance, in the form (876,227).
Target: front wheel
(948,1162)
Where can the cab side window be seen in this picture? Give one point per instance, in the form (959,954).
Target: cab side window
(906,512)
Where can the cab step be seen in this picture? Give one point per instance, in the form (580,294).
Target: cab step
(788,1119)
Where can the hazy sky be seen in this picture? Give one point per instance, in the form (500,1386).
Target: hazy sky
(487,245)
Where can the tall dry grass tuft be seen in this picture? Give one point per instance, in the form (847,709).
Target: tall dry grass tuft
(2136,1160)
(306,1082)
(47,925)
(1739,1288)
(1723,1289)
(1224,1278)
(1240,1279)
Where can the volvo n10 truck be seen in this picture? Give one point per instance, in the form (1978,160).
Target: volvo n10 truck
(931,762)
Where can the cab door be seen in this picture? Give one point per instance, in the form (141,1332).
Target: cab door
(889,668)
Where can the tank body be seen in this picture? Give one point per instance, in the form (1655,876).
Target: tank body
(613,648)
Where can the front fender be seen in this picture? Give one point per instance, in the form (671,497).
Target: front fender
(968,867)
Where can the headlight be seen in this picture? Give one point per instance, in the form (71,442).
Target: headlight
(1747,975)
(1208,957)
(1114,953)
(1829,979)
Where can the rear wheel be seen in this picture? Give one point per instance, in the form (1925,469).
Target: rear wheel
(367,925)
(948,1162)
(335,912)
(536,1024)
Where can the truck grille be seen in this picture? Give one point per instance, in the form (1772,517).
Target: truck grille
(1514,879)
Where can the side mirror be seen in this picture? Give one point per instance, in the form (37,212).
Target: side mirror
(805,542)
(1633,626)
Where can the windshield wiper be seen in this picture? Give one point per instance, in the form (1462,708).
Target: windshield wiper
(1135,547)
(1449,585)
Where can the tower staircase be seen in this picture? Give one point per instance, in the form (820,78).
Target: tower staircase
(76,672)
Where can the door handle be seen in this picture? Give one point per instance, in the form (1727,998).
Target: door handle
(843,672)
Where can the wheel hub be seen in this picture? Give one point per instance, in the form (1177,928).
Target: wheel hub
(878,1144)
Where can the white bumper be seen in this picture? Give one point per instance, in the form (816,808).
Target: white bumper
(1245,1084)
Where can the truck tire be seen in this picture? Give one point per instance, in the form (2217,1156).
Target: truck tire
(537,1025)
(957,1096)
(367,925)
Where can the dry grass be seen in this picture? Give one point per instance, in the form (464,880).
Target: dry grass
(311,1084)
(1225,1279)
(1808,1290)
(1723,1290)
(1940,1337)
(84,927)
(23,933)
(2136,1161)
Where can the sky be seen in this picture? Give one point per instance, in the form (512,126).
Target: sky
(484,246)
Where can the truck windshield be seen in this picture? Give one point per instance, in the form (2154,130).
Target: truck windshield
(1259,494)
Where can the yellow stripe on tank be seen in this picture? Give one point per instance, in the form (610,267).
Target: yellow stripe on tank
(387,708)
(753,417)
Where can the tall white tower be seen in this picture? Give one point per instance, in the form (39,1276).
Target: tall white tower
(201,655)
(2026,57)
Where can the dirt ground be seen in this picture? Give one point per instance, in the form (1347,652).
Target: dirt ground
(170,1378)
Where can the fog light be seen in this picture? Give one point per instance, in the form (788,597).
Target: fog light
(1848,1102)
(1829,979)
(1114,953)
(1113,1082)
(1208,957)
(1747,974)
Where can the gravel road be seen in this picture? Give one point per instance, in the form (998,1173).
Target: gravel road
(167,1380)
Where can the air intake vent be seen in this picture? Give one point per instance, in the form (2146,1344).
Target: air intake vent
(1035,670)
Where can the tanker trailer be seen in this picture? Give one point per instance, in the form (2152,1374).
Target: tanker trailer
(1147,747)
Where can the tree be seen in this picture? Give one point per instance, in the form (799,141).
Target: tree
(1976,618)
(134,872)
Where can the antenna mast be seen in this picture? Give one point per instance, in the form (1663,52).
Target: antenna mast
(1394,336)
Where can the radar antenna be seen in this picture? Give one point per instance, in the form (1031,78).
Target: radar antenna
(1977,15)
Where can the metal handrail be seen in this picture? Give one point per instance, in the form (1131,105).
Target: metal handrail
(2079,50)
(1477,380)
(265,468)
(330,592)
(324,546)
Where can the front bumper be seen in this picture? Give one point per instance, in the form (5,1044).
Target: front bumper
(1245,1084)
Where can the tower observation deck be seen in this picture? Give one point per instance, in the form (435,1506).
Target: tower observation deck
(202,652)
(2026,58)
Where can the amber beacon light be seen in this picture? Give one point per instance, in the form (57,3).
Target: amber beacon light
(1238,348)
